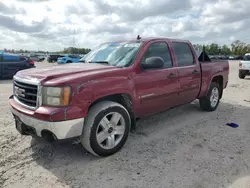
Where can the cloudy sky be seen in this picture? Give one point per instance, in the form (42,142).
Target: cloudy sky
(51,24)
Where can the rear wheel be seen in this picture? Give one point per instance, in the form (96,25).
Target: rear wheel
(106,128)
(211,101)
(242,74)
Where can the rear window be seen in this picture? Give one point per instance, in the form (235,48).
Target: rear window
(246,57)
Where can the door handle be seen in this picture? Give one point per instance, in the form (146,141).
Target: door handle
(195,72)
(171,75)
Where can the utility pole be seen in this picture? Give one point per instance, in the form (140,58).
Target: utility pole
(74,41)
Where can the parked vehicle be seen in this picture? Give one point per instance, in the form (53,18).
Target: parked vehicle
(244,66)
(69,59)
(53,58)
(37,58)
(10,64)
(239,57)
(100,100)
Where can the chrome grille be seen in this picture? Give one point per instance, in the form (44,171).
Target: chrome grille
(25,93)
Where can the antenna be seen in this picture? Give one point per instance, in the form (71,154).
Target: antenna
(138,37)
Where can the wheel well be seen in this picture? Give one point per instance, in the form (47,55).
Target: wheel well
(219,80)
(123,99)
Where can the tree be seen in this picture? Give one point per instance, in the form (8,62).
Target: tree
(225,50)
(240,48)
(214,49)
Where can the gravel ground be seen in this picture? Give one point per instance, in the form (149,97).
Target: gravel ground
(183,147)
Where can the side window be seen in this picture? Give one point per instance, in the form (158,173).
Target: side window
(183,54)
(159,49)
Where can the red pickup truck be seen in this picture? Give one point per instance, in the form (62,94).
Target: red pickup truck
(99,99)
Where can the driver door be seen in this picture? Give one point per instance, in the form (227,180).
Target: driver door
(157,89)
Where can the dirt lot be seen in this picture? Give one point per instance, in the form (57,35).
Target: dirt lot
(183,147)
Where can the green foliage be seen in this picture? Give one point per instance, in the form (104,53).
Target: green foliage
(237,48)
(72,50)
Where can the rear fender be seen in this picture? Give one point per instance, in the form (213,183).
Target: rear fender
(218,78)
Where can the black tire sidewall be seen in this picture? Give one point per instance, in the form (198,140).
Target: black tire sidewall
(212,86)
(93,140)
(242,74)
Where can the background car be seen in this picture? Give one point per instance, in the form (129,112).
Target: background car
(53,58)
(10,64)
(37,58)
(69,59)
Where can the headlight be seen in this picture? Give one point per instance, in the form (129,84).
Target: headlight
(56,96)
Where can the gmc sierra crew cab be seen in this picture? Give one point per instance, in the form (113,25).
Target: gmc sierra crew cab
(100,99)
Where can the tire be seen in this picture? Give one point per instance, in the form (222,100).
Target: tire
(242,74)
(104,111)
(208,104)
(69,62)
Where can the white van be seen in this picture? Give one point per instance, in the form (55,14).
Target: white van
(244,66)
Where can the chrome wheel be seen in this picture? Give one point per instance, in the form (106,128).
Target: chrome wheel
(214,98)
(110,130)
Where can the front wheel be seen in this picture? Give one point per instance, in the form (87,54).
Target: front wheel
(211,101)
(106,128)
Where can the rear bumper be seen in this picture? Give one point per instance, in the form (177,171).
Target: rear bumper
(36,127)
(244,69)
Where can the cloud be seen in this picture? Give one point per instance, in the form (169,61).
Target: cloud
(53,24)
(17,25)
(34,1)
(4,9)
(139,10)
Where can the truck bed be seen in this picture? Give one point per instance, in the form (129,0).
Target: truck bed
(210,69)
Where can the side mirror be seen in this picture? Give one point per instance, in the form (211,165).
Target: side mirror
(153,63)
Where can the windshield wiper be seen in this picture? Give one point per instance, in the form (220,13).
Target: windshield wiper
(101,62)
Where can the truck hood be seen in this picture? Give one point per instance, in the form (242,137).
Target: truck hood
(47,73)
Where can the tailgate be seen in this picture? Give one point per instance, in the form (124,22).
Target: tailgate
(245,65)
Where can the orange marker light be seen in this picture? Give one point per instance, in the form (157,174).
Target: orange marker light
(66,95)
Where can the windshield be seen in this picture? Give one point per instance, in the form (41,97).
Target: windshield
(246,57)
(120,54)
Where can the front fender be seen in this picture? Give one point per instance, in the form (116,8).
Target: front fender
(84,94)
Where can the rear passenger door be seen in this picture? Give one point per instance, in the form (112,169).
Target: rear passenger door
(157,88)
(188,71)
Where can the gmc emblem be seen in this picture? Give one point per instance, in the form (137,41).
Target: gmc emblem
(19,92)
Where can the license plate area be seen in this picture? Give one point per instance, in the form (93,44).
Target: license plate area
(22,128)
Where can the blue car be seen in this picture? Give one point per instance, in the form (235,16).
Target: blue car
(69,59)
(10,64)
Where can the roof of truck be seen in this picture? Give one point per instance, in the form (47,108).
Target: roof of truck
(148,39)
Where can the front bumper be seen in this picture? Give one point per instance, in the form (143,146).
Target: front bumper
(61,130)
(61,61)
